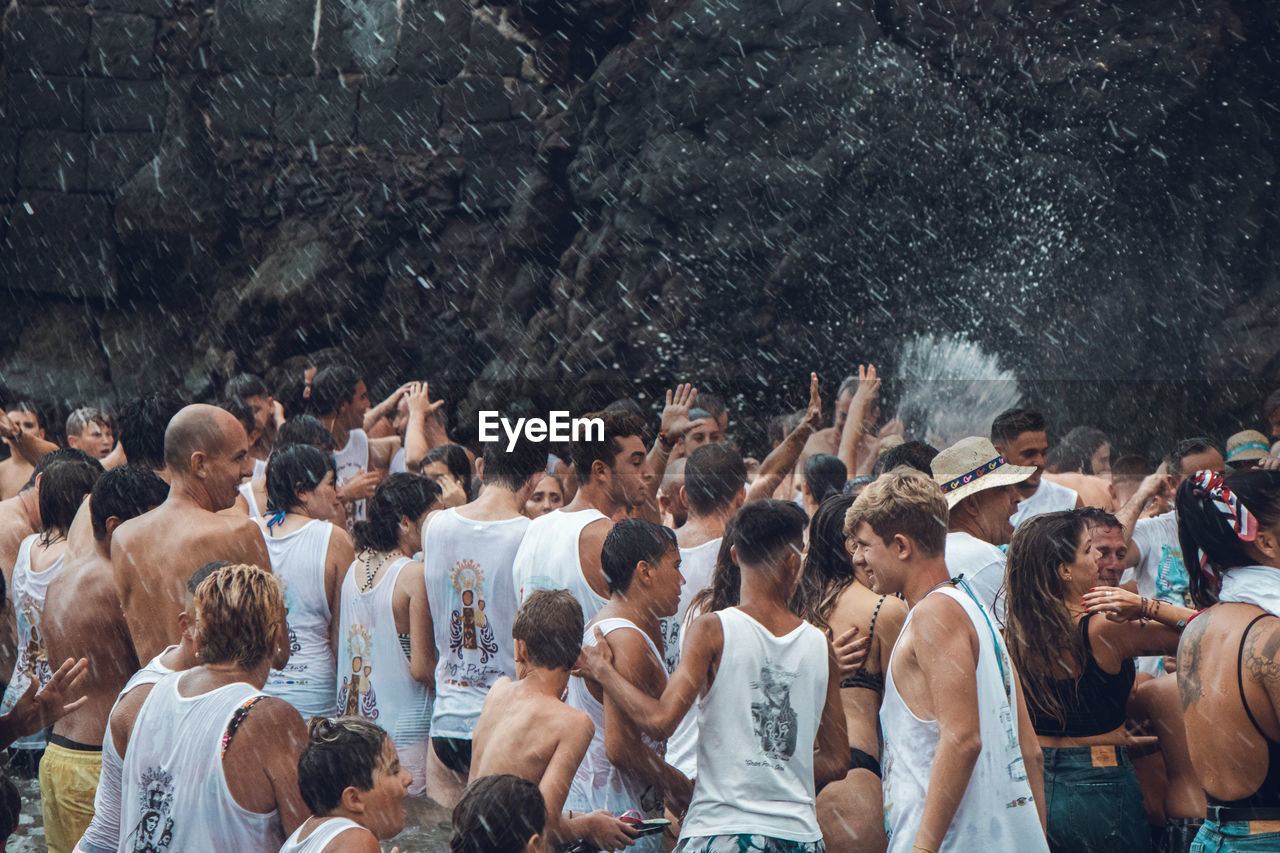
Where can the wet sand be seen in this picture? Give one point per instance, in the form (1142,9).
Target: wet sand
(426,828)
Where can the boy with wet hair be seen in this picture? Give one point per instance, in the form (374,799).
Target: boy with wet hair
(526,730)
(350,777)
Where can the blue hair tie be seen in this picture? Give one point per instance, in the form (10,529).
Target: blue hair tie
(275,518)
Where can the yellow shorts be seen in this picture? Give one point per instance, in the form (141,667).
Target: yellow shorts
(68,782)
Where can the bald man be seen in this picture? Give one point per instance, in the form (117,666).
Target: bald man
(206,451)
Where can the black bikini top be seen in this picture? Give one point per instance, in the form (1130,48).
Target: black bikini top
(862,678)
(1268,793)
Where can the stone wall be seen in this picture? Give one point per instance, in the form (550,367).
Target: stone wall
(595,188)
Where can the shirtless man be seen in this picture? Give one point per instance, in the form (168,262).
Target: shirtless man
(207,453)
(82,616)
(23,431)
(340,400)
(140,426)
(561,550)
(89,430)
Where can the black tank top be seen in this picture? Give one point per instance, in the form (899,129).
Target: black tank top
(1268,793)
(1092,704)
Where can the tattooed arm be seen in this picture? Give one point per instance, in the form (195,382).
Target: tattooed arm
(1262,668)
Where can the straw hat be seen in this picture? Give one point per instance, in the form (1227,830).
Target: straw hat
(971,465)
(1246,445)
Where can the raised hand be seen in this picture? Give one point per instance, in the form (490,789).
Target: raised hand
(594,660)
(34,711)
(8,429)
(675,414)
(868,382)
(362,485)
(419,399)
(813,412)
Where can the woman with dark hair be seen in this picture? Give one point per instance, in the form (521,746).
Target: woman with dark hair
(833,597)
(449,466)
(386,643)
(824,476)
(310,556)
(1077,672)
(300,429)
(351,779)
(547,496)
(63,487)
(1229,529)
(499,814)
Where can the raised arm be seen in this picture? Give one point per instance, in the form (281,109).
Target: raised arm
(658,718)
(949,665)
(782,460)
(386,407)
(868,387)
(421,411)
(24,443)
(1128,515)
(674,424)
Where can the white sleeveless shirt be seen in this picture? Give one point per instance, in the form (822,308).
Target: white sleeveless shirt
(757,726)
(473,605)
(997,812)
(351,460)
(103,832)
(598,784)
(320,837)
(246,491)
(175,794)
(309,681)
(28,592)
(373,668)
(697,565)
(548,558)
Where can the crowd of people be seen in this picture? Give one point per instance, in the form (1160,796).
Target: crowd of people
(261,623)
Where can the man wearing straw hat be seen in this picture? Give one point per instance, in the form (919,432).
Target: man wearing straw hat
(980,487)
(1244,449)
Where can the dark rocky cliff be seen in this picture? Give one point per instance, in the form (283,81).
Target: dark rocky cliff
(550,189)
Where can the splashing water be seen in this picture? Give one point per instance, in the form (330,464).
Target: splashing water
(951,388)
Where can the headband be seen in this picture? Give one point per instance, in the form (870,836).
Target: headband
(965,479)
(1209,485)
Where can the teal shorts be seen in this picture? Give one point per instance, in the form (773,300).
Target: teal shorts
(1233,837)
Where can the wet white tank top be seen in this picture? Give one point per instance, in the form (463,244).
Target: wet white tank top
(548,558)
(246,491)
(997,811)
(320,837)
(28,590)
(473,604)
(308,681)
(351,460)
(757,725)
(598,784)
(175,794)
(373,668)
(103,833)
(697,565)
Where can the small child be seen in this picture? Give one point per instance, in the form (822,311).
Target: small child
(351,779)
(499,814)
(526,730)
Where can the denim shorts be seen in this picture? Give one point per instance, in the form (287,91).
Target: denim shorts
(1233,837)
(746,844)
(1093,801)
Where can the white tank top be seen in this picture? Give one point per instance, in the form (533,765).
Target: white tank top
(997,811)
(757,725)
(351,460)
(103,833)
(175,794)
(373,667)
(32,664)
(308,682)
(320,837)
(246,491)
(598,784)
(548,558)
(697,565)
(473,604)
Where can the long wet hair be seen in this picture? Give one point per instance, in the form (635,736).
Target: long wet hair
(1042,637)
(828,570)
(726,580)
(1210,545)
(400,495)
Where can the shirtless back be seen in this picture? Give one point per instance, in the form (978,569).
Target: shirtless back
(82,614)
(207,455)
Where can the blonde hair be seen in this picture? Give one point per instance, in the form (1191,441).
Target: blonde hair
(904,501)
(237,610)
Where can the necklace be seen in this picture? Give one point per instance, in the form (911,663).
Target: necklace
(372,573)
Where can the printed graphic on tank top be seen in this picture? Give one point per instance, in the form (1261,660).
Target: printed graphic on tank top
(352,459)
(697,564)
(32,664)
(997,811)
(355,696)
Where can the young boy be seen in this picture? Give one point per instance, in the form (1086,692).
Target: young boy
(525,730)
(771,726)
(623,770)
(351,779)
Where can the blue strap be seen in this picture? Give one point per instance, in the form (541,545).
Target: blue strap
(995,639)
(275,518)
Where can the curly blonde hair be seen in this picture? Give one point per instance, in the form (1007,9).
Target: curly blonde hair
(238,610)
